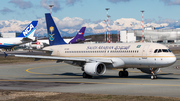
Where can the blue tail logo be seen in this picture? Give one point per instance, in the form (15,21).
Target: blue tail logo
(53,32)
(29,29)
(51,36)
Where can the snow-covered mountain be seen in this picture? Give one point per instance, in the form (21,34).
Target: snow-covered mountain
(70,26)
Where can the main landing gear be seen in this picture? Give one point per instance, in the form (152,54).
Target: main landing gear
(123,73)
(85,75)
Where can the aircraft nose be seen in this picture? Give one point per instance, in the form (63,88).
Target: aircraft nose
(172,60)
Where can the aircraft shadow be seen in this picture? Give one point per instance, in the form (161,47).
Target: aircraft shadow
(79,76)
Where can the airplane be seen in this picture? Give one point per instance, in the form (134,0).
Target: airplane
(25,36)
(39,44)
(95,59)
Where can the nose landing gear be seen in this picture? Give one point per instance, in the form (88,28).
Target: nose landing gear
(153,76)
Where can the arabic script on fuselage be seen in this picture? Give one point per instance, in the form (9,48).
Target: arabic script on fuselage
(108,47)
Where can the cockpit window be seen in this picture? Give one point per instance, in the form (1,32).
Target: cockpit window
(155,50)
(159,50)
(169,50)
(164,50)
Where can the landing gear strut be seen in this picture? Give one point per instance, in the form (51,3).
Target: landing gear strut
(85,75)
(153,76)
(123,73)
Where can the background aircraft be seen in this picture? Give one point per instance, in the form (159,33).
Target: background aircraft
(25,37)
(39,44)
(95,59)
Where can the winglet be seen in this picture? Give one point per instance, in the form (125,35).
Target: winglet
(79,36)
(5,54)
(53,32)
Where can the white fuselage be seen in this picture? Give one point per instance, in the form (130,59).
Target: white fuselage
(123,55)
(42,42)
(10,42)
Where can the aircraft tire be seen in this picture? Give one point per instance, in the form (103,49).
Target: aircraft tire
(121,73)
(85,75)
(125,74)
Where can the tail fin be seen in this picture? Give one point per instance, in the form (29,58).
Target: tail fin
(79,36)
(53,33)
(29,30)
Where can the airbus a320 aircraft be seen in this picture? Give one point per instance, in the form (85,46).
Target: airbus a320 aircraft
(95,59)
(26,36)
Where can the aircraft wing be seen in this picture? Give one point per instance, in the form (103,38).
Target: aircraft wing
(63,58)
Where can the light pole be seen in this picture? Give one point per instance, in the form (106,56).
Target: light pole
(108,36)
(142,27)
(51,8)
(118,32)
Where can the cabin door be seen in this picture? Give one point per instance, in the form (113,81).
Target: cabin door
(145,51)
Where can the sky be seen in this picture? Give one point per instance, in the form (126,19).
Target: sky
(71,15)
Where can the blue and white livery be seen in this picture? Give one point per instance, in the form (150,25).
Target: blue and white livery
(27,35)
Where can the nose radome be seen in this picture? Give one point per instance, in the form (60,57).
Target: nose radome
(172,60)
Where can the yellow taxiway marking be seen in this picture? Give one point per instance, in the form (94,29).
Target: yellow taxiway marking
(28,70)
(166,85)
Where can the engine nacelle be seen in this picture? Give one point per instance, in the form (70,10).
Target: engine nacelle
(148,70)
(95,68)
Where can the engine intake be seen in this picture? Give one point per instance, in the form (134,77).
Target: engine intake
(95,68)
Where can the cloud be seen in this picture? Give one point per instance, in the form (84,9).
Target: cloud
(67,22)
(71,2)
(22,4)
(171,2)
(45,4)
(6,10)
(149,20)
(98,21)
(116,1)
(99,27)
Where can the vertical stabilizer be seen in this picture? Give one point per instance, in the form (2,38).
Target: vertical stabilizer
(79,36)
(29,30)
(53,33)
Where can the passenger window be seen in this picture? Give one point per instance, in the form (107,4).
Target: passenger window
(155,50)
(159,50)
(165,50)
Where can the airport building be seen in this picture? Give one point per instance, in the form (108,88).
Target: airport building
(152,35)
(9,35)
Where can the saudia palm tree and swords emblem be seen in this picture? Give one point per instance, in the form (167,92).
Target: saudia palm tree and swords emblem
(51,35)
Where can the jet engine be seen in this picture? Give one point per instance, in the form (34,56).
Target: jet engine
(148,70)
(95,68)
